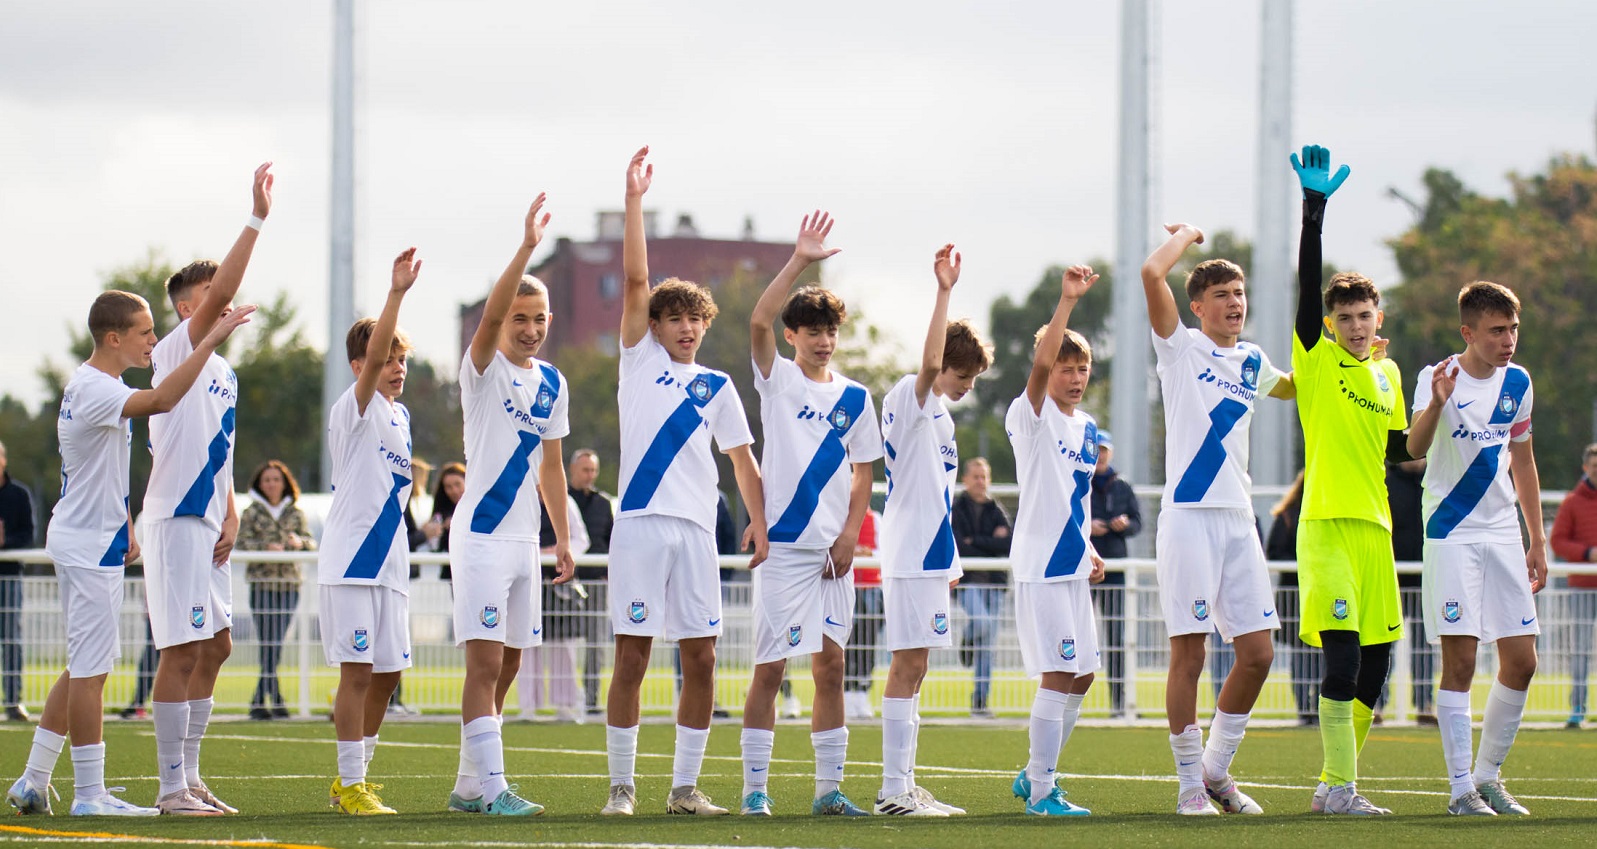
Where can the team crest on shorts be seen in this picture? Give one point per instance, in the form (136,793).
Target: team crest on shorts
(1067,649)
(1339,608)
(939,624)
(1452,611)
(490,616)
(638,612)
(795,634)
(1200,610)
(361,641)
(197,616)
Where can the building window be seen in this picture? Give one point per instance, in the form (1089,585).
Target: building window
(609,286)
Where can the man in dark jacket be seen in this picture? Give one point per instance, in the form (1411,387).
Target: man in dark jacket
(981,529)
(1115,519)
(16,524)
(598,516)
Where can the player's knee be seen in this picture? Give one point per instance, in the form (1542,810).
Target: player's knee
(768,676)
(826,668)
(1341,679)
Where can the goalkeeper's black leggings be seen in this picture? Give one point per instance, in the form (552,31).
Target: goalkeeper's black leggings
(1353,671)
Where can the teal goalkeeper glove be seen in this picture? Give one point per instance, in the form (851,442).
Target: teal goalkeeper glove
(1314,171)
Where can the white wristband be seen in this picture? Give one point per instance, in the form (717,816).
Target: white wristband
(255,223)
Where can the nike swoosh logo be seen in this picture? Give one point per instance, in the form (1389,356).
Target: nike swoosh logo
(1351,365)
(407,655)
(1268,613)
(514,382)
(1217,354)
(756,769)
(1461,775)
(537,631)
(174,766)
(1465,403)
(830,622)
(495,773)
(1527,621)
(714,622)
(1188,763)
(1394,627)
(938,415)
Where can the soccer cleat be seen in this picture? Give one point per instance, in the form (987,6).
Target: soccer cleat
(110,806)
(623,798)
(1575,719)
(926,796)
(362,800)
(205,795)
(835,804)
(1232,800)
(334,792)
(508,804)
(907,804)
(1470,805)
(28,799)
(691,800)
(1054,805)
(1322,791)
(1500,800)
(1022,786)
(756,804)
(1345,799)
(183,803)
(791,708)
(460,805)
(1195,803)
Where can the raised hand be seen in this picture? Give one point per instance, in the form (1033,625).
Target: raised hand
(1191,233)
(1443,381)
(811,244)
(406,268)
(535,224)
(225,325)
(1378,348)
(262,191)
(1314,171)
(947,267)
(639,175)
(1077,280)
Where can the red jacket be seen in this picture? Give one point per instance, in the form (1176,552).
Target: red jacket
(1575,529)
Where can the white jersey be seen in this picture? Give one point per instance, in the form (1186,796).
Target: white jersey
(916,536)
(1209,393)
(193,443)
(669,411)
(509,411)
(1468,494)
(1055,455)
(89,525)
(363,539)
(811,429)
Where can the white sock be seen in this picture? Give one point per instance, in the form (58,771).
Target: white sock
(1504,709)
(467,784)
(1225,736)
(831,750)
(171,732)
(1072,713)
(898,746)
(351,763)
(1046,741)
(622,746)
(88,772)
(689,757)
(757,744)
(914,739)
(199,719)
(487,746)
(368,750)
(1188,750)
(1453,718)
(47,746)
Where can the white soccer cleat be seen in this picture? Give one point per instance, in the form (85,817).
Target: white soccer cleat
(692,801)
(111,806)
(1231,799)
(205,795)
(926,797)
(1470,805)
(1345,799)
(623,800)
(1195,803)
(183,803)
(1501,801)
(907,804)
(28,799)
(1322,791)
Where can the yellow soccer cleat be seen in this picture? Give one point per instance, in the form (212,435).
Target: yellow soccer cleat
(362,800)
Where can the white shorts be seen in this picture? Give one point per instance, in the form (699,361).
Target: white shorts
(91,598)
(1479,589)
(190,597)
(1057,628)
(794,607)
(665,580)
(1212,574)
(366,624)
(498,587)
(916,613)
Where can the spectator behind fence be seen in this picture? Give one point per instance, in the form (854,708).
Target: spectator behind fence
(16,527)
(1404,486)
(272,522)
(598,518)
(421,474)
(435,533)
(1575,540)
(564,608)
(981,528)
(1116,518)
(859,656)
(1282,545)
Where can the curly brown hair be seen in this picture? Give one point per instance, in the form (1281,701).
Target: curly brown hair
(681,297)
(812,306)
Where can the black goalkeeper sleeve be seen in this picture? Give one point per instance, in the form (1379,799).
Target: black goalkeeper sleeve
(1309,283)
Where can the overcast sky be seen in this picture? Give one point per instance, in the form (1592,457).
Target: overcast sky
(126,126)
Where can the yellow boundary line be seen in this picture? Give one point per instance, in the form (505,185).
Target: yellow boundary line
(135,838)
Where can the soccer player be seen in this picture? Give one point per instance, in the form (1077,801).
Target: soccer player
(91,539)
(664,575)
(1350,402)
(364,567)
(920,559)
(1210,564)
(515,410)
(191,522)
(821,438)
(1052,558)
(1469,410)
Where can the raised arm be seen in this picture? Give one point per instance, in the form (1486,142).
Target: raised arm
(635,253)
(161,399)
(1314,175)
(810,248)
(1528,486)
(406,268)
(1076,281)
(946,268)
(230,274)
(1162,312)
(1422,431)
(497,307)
(552,478)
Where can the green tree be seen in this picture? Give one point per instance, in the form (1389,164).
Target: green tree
(277,374)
